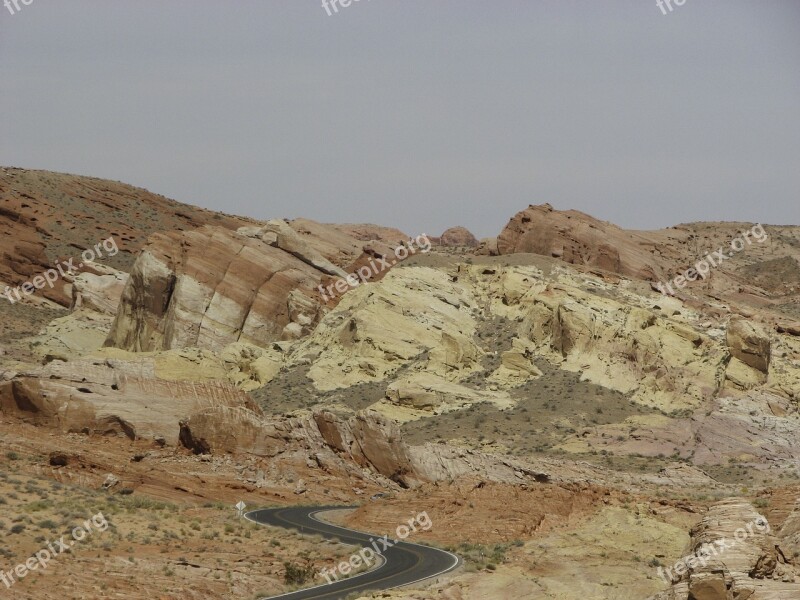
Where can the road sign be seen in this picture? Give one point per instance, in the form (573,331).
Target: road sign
(240,507)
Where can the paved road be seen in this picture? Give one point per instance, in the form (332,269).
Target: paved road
(404,562)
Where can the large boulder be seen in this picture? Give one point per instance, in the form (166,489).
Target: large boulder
(749,343)
(114,396)
(211,287)
(366,439)
(734,555)
(98,290)
(458,237)
(370,440)
(580,239)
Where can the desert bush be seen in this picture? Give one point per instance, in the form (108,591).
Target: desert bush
(297,574)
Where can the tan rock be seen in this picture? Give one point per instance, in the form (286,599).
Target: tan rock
(749,343)
(578,238)
(251,367)
(487,247)
(100,292)
(72,336)
(457,237)
(435,395)
(212,287)
(733,554)
(111,397)
(379,327)
(280,234)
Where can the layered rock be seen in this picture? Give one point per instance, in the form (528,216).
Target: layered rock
(99,291)
(758,428)
(113,396)
(366,232)
(632,350)
(749,344)
(279,234)
(46,216)
(369,440)
(212,287)
(580,239)
(734,555)
(426,394)
(366,439)
(413,313)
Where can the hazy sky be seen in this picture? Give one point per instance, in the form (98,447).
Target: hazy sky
(420,114)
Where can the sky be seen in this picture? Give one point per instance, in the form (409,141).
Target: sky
(418,114)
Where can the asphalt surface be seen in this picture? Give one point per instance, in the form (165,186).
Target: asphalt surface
(404,562)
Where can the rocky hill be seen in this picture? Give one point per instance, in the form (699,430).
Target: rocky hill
(47,216)
(570,427)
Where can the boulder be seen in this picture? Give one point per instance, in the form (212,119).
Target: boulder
(734,554)
(580,239)
(749,343)
(99,291)
(458,237)
(211,287)
(112,397)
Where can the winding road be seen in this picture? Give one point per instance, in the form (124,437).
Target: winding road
(404,563)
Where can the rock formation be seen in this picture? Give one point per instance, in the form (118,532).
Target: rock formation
(37,228)
(734,555)
(577,238)
(457,237)
(112,396)
(378,328)
(212,287)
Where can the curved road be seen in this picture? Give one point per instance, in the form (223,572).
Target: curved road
(404,563)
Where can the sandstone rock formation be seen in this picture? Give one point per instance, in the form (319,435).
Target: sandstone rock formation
(71,336)
(427,393)
(99,291)
(749,344)
(736,556)
(488,247)
(279,234)
(36,228)
(457,237)
(112,396)
(250,367)
(378,328)
(577,238)
(212,287)
(367,232)
(367,439)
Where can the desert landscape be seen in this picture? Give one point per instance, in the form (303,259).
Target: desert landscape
(374,300)
(570,430)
